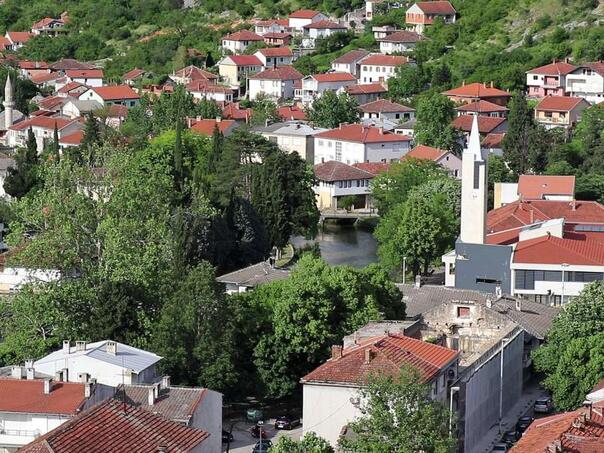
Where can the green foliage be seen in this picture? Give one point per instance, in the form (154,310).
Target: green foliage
(398,416)
(331,110)
(517,140)
(346,202)
(333,42)
(24,176)
(310,443)
(435,113)
(407,82)
(264,111)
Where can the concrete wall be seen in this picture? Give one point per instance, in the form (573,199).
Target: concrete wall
(23,428)
(208,416)
(484,262)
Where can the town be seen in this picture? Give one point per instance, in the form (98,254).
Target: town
(306,227)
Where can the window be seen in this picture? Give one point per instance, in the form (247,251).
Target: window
(463,312)
(490,281)
(339,151)
(320,142)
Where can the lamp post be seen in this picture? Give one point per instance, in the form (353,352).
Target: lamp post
(451,391)
(404,268)
(564,266)
(504,341)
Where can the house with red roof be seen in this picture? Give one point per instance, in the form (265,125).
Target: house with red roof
(473,92)
(214,92)
(112,94)
(442,157)
(30,69)
(319,29)
(71,89)
(379,68)
(292,137)
(262,27)
(313,86)
(535,187)
(192,73)
(482,108)
(49,26)
(422,14)
(298,19)
(487,125)
(17,39)
(234,70)
(548,80)
(334,180)
(292,112)
(233,111)
(135,75)
(88,77)
(119,427)
(206,127)
(43,128)
(277,83)
(587,82)
(353,143)
(399,41)
(387,110)
(349,62)
(71,140)
(560,111)
(271,57)
(238,41)
(365,93)
(334,387)
(278,39)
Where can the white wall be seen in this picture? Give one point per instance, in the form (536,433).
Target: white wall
(588,87)
(373,73)
(387,151)
(12,278)
(91,82)
(29,425)
(278,89)
(391,47)
(208,416)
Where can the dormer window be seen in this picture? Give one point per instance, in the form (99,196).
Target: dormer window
(463,312)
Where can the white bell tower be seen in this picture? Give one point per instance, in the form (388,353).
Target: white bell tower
(8,103)
(474,189)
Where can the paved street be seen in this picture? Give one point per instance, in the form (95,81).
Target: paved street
(244,442)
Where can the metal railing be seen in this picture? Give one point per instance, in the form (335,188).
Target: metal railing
(20,432)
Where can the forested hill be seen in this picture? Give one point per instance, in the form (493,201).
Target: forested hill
(492,40)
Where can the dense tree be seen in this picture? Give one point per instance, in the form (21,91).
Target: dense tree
(435,113)
(264,111)
(332,109)
(310,443)
(408,81)
(209,109)
(517,140)
(399,416)
(25,174)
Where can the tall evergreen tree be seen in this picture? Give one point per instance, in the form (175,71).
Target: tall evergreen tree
(56,147)
(517,140)
(24,175)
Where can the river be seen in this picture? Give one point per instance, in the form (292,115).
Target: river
(343,244)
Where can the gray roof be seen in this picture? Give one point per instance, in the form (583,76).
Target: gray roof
(533,317)
(128,357)
(427,297)
(408,124)
(254,275)
(17,117)
(85,106)
(386,123)
(289,128)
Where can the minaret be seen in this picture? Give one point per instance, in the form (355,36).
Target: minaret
(8,103)
(474,189)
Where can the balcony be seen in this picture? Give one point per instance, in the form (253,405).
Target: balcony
(17,437)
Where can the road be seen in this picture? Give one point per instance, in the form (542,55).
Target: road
(244,442)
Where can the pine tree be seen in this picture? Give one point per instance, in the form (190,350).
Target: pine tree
(24,175)
(56,147)
(517,140)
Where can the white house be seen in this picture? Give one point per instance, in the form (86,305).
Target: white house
(399,41)
(271,57)
(445,158)
(366,92)
(320,29)
(354,143)
(43,128)
(548,80)
(17,39)
(75,108)
(293,137)
(109,95)
(587,82)
(204,90)
(89,77)
(235,69)
(109,362)
(262,27)
(334,180)
(277,83)
(238,41)
(250,277)
(298,19)
(334,387)
(313,86)
(379,68)
(384,109)
(349,62)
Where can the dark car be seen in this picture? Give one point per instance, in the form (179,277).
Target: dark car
(523,423)
(286,422)
(227,437)
(543,406)
(262,446)
(510,437)
(500,448)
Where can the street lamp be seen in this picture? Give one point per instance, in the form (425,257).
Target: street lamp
(404,268)
(564,266)
(451,391)
(504,341)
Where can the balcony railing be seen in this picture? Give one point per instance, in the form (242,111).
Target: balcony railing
(20,432)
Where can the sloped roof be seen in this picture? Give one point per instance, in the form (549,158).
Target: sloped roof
(388,354)
(84,73)
(476,90)
(19,36)
(254,275)
(292,112)
(597,66)
(126,356)
(351,56)
(486,124)
(245,60)
(436,7)
(276,52)
(304,14)
(338,171)
(367,88)
(278,73)
(29,65)
(402,36)
(559,103)
(243,35)
(232,111)
(426,152)
(44,122)
(116,92)
(194,73)
(384,60)
(70,87)
(70,63)
(362,134)
(74,139)
(375,168)
(206,127)
(535,187)
(533,317)
(481,106)
(119,428)
(133,74)
(325,24)
(334,77)
(384,106)
(27,396)
(555,68)
(422,299)
(493,140)
(44,77)
(555,250)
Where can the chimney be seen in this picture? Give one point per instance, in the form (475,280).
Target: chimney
(491,84)
(218,119)
(489,303)
(66,347)
(83,377)
(151,396)
(532,213)
(498,292)
(156,388)
(30,372)
(573,205)
(589,406)
(88,386)
(59,376)
(47,386)
(65,372)
(336,351)
(17,372)
(165,381)
(463,83)
(80,345)
(554,447)
(418,281)
(381,130)
(368,356)
(111,347)
(518,304)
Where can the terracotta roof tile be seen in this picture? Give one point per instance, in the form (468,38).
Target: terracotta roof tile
(243,35)
(71,86)
(292,112)
(535,187)
(555,250)
(384,60)
(276,52)
(425,152)
(278,73)
(436,7)
(232,111)
(404,36)
(72,139)
(269,22)
(19,36)
(559,103)
(44,77)
(117,92)
(384,106)
(195,73)
(362,134)
(42,122)
(84,73)
(304,14)
(351,57)
(493,140)
(367,88)
(338,171)
(174,403)
(556,68)
(29,65)
(334,77)
(206,127)
(117,111)
(481,106)
(486,124)
(27,396)
(476,90)
(325,24)
(597,66)
(245,60)
(133,74)
(70,63)
(276,35)
(375,168)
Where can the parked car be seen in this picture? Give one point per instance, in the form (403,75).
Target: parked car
(510,437)
(523,423)
(500,448)
(253,415)
(227,437)
(286,422)
(262,446)
(543,406)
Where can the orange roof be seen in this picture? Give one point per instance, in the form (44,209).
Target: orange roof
(4,42)
(29,65)
(351,56)
(571,249)
(374,168)
(325,24)
(19,36)
(206,127)
(278,73)
(43,122)
(402,36)
(195,73)
(476,90)
(481,106)
(84,73)
(384,60)
(304,14)
(243,35)
(493,140)
(245,60)
(425,152)
(387,355)
(276,52)
(27,396)
(559,103)
(269,22)
(437,7)
(339,171)
(384,106)
(117,111)
(535,187)
(362,134)
(133,74)
(71,86)
(288,113)
(72,139)
(204,86)
(232,111)
(116,92)
(334,77)
(486,124)
(367,88)
(44,77)
(555,68)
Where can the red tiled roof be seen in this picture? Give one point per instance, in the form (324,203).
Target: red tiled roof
(276,35)
(52,102)
(556,68)
(27,396)
(333,77)
(206,127)
(243,35)
(117,111)
(204,86)
(559,103)
(597,66)
(70,87)
(481,106)
(276,52)
(303,14)
(269,22)
(339,171)
(351,57)
(486,124)
(437,7)
(325,24)
(117,92)
(46,22)
(367,88)
(44,122)
(29,65)
(384,106)
(555,250)
(476,90)
(232,111)
(84,73)
(402,36)
(245,60)
(19,36)
(278,73)
(375,168)
(4,42)
(388,354)
(384,60)
(293,112)
(362,134)
(425,152)
(534,187)
(70,63)
(72,139)
(44,77)
(119,428)
(174,403)
(493,140)
(195,73)
(574,432)
(133,74)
